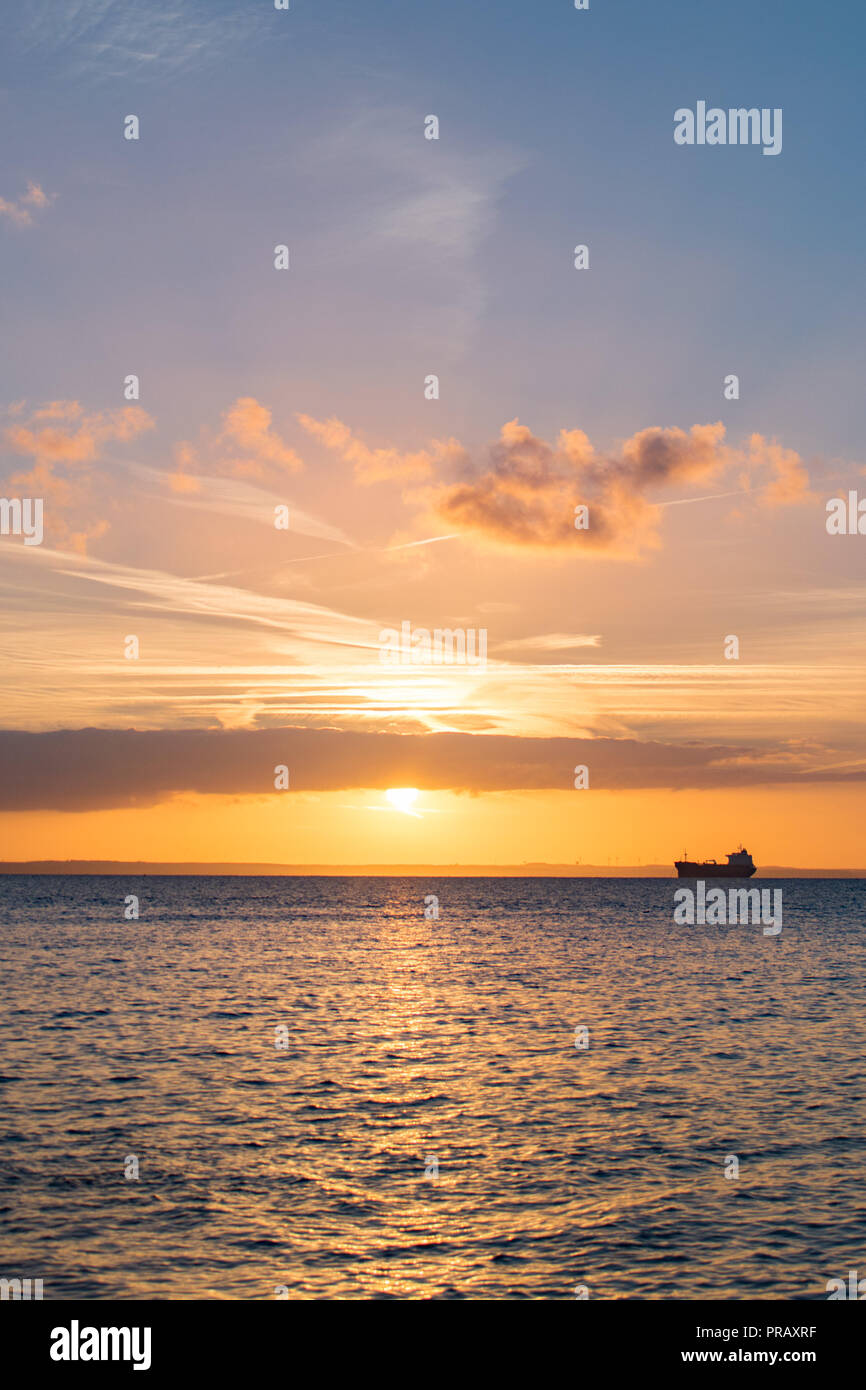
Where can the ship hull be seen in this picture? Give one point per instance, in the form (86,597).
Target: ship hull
(686,869)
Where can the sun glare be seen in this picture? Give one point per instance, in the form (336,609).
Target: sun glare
(402,799)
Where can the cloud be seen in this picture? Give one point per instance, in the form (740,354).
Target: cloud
(91,769)
(183,479)
(550,642)
(376,465)
(109,39)
(422,209)
(526,491)
(246,445)
(239,500)
(247,426)
(64,441)
(21,212)
(790,481)
(63,432)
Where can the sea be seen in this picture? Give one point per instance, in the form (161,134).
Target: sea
(451,1088)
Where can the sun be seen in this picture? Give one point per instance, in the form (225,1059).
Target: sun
(403,799)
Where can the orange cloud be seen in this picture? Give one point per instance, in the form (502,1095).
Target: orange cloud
(245,446)
(62,432)
(61,435)
(790,483)
(248,426)
(527,492)
(76,437)
(375,465)
(20,212)
(183,479)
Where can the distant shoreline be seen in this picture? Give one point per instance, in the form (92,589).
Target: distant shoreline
(147,868)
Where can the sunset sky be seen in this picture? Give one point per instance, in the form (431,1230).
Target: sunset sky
(305,388)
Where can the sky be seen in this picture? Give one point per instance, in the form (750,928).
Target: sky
(307,389)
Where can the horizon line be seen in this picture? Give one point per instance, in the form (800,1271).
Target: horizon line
(253,869)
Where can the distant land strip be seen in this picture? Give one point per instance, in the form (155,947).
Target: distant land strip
(143,867)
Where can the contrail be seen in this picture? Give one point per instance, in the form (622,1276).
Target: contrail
(710,497)
(431,540)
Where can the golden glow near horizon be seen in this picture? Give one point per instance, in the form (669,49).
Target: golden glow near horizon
(605,828)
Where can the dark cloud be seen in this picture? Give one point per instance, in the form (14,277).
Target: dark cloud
(95,769)
(526,490)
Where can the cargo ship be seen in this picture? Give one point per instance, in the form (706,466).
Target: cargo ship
(739,865)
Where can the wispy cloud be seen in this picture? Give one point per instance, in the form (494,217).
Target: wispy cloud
(113,38)
(215,654)
(435,206)
(235,498)
(550,642)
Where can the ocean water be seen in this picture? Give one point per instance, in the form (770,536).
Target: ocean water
(416,1046)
